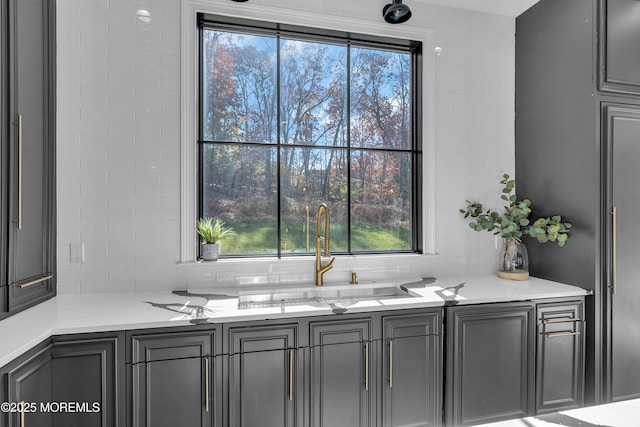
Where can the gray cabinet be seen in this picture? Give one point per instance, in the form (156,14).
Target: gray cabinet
(353,371)
(28,153)
(620,46)
(89,370)
(577,103)
(411,369)
(5,125)
(622,136)
(29,381)
(379,369)
(174,380)
(84,371)
(342,374)
(560,356)
(490,363)
(264,374)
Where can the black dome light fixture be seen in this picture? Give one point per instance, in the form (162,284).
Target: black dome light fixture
(396,12)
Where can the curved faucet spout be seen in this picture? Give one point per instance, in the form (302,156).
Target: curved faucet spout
(321,269)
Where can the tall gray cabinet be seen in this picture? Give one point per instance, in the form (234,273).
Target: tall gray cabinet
(27,153)
(577,153)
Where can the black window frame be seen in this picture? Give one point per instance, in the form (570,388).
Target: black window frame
(265,28)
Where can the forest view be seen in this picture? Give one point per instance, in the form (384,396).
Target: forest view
(288,124)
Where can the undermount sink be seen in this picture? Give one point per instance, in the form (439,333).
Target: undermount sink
(321,296)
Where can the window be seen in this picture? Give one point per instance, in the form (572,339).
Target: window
(289,119)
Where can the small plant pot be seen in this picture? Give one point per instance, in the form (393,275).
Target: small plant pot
(210,251)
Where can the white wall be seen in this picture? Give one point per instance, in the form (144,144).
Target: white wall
(119,144)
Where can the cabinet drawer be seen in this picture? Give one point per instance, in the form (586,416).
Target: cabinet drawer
(169,346)
(412,325)
(28,292)
(261,338)
(560,318)
(339,332)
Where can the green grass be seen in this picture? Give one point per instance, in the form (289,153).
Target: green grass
(259,237)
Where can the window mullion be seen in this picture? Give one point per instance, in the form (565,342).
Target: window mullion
(348,130)
(278,149)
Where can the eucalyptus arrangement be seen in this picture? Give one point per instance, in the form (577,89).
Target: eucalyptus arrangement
(511,225)
(212,231)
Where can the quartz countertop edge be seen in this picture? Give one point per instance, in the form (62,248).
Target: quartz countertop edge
(72,314)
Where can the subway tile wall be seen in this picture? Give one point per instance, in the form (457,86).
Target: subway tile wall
(119,146)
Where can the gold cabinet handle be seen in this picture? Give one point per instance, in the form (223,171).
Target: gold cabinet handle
(19,171)
(206,383)
(390,364)
(290,375)
(614,249)
(366,366)
(563,319)
(562,334)
(22,424)
(35,282)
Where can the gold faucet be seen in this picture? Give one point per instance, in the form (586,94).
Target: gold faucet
(321,269)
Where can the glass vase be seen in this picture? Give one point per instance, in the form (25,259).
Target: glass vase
(513,260)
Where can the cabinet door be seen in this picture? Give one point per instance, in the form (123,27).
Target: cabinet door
(263,371)
(490,363)
(32,152)
(342,374)
(411,369)
(560,360)
(87,372)
(174,379)
(621,46)
(30,382)
(622,127)
(5,125)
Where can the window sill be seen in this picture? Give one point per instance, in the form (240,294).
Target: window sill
(303,259)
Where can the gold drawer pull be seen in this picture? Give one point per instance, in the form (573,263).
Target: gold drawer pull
(206,383)
(290,375)
(564,319)
(390,364)
(366,366)
(35,282)
(562,334)
(614,250)
(19,171)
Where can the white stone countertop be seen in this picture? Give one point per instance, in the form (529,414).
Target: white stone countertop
(67,314)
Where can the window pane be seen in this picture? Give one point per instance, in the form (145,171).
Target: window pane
(239,187)
(380,99)
(381,201)
(290,119)
(312,93)
(239,87)
(308,178)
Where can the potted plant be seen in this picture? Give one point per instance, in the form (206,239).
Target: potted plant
(511,225)
(212,231)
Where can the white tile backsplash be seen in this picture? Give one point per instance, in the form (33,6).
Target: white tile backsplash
(119,145)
